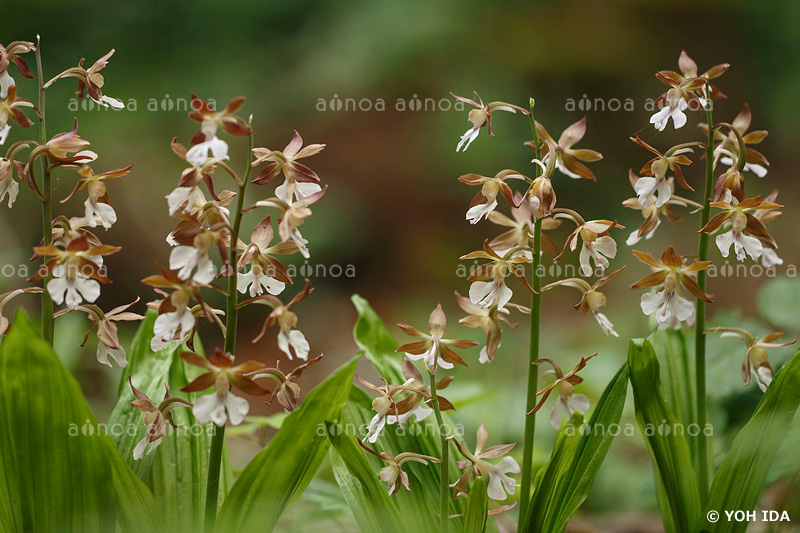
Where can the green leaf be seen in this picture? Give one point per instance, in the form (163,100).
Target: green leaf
(277,476)
(564,483)
(664,436)
(376,342)
(58,472)
(742,474)
(177,471)
(477,507)
(372,507)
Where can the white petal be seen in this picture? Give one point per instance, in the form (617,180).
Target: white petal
(138,451)
(237,409)
(6,82)
(57,287)
(651,301)
(752,246)
(579,402)
(204,406)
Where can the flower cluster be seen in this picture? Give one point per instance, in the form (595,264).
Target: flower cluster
(72,253)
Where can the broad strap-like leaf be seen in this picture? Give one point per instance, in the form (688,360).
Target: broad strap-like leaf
(279,474)
(477,507)
(376,341)
(59,471)
(662,432)
(368,498)
(742,474)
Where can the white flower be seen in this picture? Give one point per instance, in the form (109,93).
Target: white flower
(478,212)
(258,283)
(484,293)
(499,481)
(674,110)
(171,327)
(667,305)
(600,249)
(117,354)
(4,131)
(108,101)
(758,170)
(144,444)
(566,405)
(605,324)
(634,238)
(6,81)
(430,356)
(199,153)
(743,244)
(770,258)
(293,340)
(72,289)
(7,183)
(299,190)
(183,196)
(218,408)
(649,189)
(104,212)
(186,259)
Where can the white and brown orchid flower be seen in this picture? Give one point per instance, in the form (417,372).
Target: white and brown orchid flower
(727,149)
(501,484)
(293,214)
(568,159)
(157,417)
(747,234)
(299,180)
(653,186)
(485,201)
(205,143)
(291,340)
(487,319)
(564,384)
(592,300)
(266,272)
(672,275)
(12,54)
(108,345)
(90,81)
(392,474)
(489,279)
(11,108)
(191,256)
(481,116)
(433,348)
(682,95)
(286,391)
(58,150)
(5,298)
(596,243)
(222,405)
(8,185)
(97,204)
(755,362)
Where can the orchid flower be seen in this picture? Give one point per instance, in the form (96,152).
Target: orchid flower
(481,116)
(392,474)
(596,243)
(591,298)
(292,216)
(755,361)
(564,384)
(476,463)
(205,141)
(489,280)
(12,54)
(90,81)
(747,233)
(485,202)
(97,202)
(157,417)
(728,147)
(108,345)
(568,159)
(488,319)
(434,349)
(8,185)
(287,391)
(10,108)
(291,340)
(299,180)
(266,273)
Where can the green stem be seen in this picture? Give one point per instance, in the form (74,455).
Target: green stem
(231,322)
(533,370)
(47,207)
(444,466)
(700,336)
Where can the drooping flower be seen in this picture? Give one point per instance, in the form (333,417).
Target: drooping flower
(76,269)
(671,275)
(728,147)
(488,319)
(564,384)
(485,201)
(266,272)
(396,404)
(476,463)
(489,280)
(222,405)
(12,54)
(8,185)
(11,108)
(755,361)
(97,204)
(652,213)
(299,180)
(287,391)
(596,243)
(481,116)
(747,233)
(434,349)
(293,214)
(591,298)
(392,474)
(205,141)
(568,159)
(90,81)
(291,340)
(157,417)
(108,345)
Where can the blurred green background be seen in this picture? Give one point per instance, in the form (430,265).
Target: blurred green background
(394,210)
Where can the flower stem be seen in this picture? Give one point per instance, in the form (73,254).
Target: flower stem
(533,370)
(444,466)
(703,462)
(47,208)
(231,322)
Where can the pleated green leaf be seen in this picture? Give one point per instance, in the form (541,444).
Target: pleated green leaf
(742,474)
(279,474)
(58,471)
(372,507)
(665,438)
(477,507)
(177,471)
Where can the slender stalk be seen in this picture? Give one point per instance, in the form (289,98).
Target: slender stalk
(533,370)
(47,207)
(699,335)
(444,466)
(231,323)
